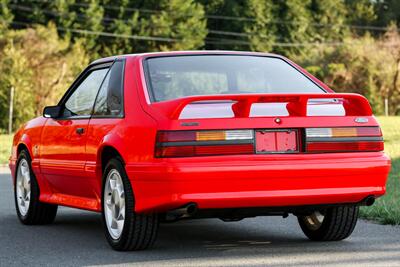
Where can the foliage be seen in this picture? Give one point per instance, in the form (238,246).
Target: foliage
(6,16)
(172,22)
(387,209)
(40,66)
(337,40)
(358,66)
(261,32)
(5,148)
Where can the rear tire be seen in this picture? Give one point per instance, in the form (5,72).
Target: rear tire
(29,209)
(332,224)
(125,230)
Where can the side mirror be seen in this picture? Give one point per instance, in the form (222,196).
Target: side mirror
(52,112)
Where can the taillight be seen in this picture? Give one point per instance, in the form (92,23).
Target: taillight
(343,139)
(204,143)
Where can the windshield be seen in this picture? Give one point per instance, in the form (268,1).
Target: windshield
(179,76)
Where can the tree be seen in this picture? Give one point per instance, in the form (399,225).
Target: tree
(226,21)
(65,15)
(6,16)
(40,66)
(329,20)
(180,23)
(90,24)
(294,27)
(15,73)
(123,20)
(387,11)
(357,66)
(261,31)
(361,12)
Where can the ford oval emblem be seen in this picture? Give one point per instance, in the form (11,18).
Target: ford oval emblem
(361,120)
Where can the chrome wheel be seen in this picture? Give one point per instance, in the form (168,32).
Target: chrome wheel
(23,187)
(114,203)
(314,221)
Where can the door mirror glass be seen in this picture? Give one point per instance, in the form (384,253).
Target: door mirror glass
(51,112)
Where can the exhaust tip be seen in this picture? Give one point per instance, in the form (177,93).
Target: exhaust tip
(369,201)
(191,208)
(183,212)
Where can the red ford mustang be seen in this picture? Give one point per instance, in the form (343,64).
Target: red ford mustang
(157,137)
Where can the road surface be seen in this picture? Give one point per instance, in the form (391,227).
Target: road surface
(76,238)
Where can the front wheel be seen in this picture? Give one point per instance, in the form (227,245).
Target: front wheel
(332,224)
(26,195)
(125,230)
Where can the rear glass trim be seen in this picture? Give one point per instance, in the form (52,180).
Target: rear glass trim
(149,86)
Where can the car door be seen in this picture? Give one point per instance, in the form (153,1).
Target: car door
(63,152)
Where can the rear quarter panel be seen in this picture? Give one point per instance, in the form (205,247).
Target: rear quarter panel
(133,136)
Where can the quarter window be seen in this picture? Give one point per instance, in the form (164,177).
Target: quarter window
(80,103)
(109,101)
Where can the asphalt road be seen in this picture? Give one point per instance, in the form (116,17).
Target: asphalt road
(76,238)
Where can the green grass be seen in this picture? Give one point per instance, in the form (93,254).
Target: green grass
(386,209)
(5,148)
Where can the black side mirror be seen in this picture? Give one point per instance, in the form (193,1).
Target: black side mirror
(52,112)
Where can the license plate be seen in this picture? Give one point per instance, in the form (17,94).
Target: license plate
(277,141)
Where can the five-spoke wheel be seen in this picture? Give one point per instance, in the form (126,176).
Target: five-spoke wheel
(124,228)
(26,193)
(114,203)
(23,187)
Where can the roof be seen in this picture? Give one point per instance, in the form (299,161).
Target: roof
(173,53)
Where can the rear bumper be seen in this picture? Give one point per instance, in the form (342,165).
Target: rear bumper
(258,180)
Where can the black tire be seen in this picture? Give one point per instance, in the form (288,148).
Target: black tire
(38,212)
(140,230)
(338,223)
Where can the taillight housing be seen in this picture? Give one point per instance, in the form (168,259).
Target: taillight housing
(204,143)
(170,144)
(343,139)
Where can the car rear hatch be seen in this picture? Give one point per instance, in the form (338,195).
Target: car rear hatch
(265,124)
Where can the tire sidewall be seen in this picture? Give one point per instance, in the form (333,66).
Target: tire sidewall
(34,192)
(129,205)
(313,234)
(338,224)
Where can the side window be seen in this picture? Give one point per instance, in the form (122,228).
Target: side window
(80,103)
(109,101)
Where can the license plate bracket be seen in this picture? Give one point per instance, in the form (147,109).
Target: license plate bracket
(277,141)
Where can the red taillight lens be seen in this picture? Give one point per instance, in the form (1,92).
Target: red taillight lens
(191,151)
(344,139)
(176,136)
(204,143)
(344,146)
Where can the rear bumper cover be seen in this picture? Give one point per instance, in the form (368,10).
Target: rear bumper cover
(258,180)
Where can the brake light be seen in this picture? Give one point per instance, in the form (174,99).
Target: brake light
(344,139)
(204,143)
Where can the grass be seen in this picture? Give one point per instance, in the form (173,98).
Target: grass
(386,209)
(5,148)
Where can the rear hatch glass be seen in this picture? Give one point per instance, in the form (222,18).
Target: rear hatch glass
(172,77)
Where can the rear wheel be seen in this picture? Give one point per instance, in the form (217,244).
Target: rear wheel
(26,195)
(125,230)
(332,224)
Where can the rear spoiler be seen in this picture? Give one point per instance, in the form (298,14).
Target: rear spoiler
(354,104)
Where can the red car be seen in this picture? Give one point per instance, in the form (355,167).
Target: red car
(148,138)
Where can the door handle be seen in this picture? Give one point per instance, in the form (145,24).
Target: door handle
(80,131)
